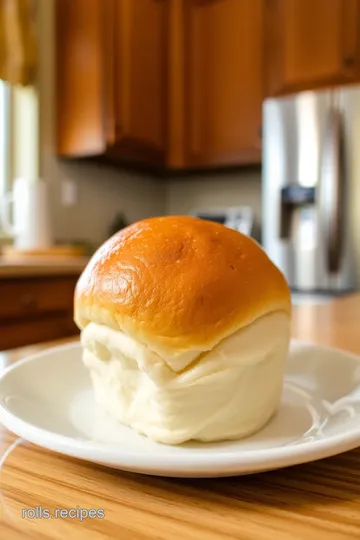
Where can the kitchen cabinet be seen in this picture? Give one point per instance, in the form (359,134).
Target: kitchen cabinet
(139,78)
(223,82)
(35,309)
(310,44)
(111,78)
(167,83)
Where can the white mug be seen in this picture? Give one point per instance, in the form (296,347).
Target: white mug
(30,226)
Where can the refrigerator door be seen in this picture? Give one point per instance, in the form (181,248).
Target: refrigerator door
(302,149)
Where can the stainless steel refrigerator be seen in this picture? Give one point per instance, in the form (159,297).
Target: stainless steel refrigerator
(311,189)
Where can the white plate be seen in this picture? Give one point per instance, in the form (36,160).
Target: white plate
(47,400)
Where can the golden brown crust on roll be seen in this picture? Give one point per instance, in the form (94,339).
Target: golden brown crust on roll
(179,283)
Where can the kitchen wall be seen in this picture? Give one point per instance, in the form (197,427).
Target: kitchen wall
(101,194)
(183,195)
(101,191)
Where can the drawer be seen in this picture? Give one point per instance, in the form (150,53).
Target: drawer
(28,332)
(21,298)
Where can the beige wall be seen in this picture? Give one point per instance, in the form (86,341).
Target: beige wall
(218,190)
(102,191)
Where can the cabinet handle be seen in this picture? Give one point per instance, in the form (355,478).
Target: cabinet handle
(332,187)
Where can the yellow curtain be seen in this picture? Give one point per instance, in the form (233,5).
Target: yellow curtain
(18,42)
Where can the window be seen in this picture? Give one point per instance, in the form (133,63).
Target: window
(5,141)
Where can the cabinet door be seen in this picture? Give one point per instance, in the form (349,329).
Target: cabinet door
(310,44)
(140,79)
(80,83)
(111,78)
(223,86)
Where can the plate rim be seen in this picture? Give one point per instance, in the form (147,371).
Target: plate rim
(199,461)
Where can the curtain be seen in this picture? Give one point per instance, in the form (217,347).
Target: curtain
(18,42)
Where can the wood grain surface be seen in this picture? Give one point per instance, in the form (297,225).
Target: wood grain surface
(317,501)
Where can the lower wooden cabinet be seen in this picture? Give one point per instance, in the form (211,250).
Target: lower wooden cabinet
(36,309)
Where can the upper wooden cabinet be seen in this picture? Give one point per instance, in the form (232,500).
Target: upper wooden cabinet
(223,81)
(175,83)
(111,78)
(310,44)
(140,78)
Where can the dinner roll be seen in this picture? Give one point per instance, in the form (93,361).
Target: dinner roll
(185,329)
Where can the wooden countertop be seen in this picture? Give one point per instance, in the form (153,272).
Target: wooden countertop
(318,501)
(41,266)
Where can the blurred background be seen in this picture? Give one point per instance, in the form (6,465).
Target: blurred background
(244,112)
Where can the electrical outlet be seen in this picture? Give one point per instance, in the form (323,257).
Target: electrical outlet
(69,192)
